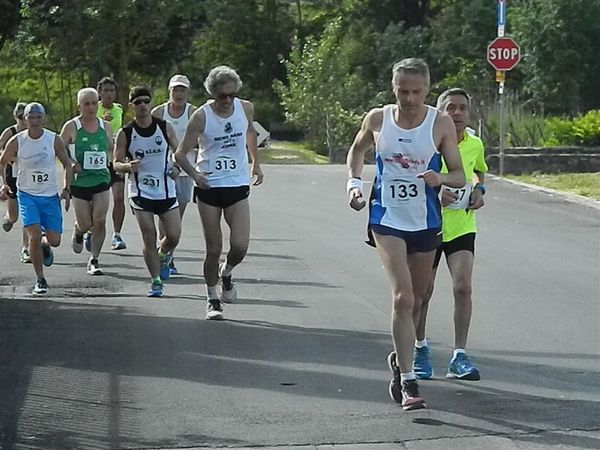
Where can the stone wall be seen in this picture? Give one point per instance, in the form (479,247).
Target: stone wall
(526,160)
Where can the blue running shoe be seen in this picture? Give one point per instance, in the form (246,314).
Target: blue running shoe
(48,255)
(156,290)
(165,271)
(172,269)
(422,364)
(461,368)
(87,241)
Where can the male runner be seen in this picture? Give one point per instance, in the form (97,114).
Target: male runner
(404,211)
(226,132)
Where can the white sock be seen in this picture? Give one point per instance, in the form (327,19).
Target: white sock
(420,344)
(456,352)
(407,376)
(226,269)
(211,292)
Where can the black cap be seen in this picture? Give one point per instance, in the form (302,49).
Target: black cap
(139,91)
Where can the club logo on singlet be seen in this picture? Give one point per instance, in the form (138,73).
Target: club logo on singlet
(139,154)
(228,128)
(158,140)
(405,140)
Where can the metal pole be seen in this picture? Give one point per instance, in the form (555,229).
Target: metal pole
(501,94)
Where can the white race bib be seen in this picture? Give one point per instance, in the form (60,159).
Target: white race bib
(464,195)
(151,183)
(225,165)
(402,190)
(94,160)
(39,178)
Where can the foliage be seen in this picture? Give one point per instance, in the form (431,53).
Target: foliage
(583,130)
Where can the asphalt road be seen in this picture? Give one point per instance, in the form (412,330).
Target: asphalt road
(301,359)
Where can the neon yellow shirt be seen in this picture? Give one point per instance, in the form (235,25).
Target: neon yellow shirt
(115,116)
(458,222)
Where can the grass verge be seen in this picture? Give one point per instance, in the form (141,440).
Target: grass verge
(586,184)
(284,152)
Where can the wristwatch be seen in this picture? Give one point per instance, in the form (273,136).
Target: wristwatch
(481,187)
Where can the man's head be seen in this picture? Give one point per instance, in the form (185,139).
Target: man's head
(140,99)
(457,103)
(410,83)
(107,89)
(19,111)
(35,116)
(179,89)
(223,84)
(87,101)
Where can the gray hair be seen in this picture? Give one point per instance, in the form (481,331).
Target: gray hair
(444,97)
(81,93)
(415,66)
(219,76)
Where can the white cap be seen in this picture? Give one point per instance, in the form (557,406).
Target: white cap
(179,80)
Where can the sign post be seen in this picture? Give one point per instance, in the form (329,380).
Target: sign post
(503,54)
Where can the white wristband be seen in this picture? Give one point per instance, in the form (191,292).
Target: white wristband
(354,183)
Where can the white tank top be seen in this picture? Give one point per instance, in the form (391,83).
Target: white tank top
(223,148)
(400,200)
(152,180)
(36,174)
(180,124)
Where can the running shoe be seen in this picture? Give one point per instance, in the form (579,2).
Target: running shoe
(422,364)
(214,309)
(404,392)
(156,290)
(77,241)
(24,257)
(87,241)
(228,290)
(165,271)
(40,287)
(461,368)
(48,255)
(172,269)
(118,243)
(93,267)
(7,224)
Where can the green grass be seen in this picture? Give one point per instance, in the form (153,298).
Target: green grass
(587,184)
(284,152)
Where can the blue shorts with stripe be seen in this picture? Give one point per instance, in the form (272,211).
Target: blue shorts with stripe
(40,210)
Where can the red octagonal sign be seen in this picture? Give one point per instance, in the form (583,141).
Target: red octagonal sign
(503,53)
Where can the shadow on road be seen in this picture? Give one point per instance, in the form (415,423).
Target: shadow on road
(68,375)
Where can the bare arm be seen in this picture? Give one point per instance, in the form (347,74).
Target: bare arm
(120,154)
(252,143)
(4,137)
(62,155)
(158,111)
(193,131)
(448,147)
(9,154)
(355,160)
(110,139)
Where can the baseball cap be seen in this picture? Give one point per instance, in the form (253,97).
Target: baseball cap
(34,108)
(179,80)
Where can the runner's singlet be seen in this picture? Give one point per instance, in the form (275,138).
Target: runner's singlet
(91,152)
(36,173)
(151,148)
(179,124)
(401,200)
(117,116)
(223,148)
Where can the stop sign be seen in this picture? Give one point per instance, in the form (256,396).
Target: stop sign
(503,53)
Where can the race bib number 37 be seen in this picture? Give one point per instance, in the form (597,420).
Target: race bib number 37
(463,195)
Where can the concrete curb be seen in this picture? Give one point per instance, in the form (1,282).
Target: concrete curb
(568,196)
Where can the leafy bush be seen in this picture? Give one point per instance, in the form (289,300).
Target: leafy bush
(583,130)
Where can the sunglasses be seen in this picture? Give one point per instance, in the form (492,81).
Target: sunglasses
(139,101)
(223,96)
